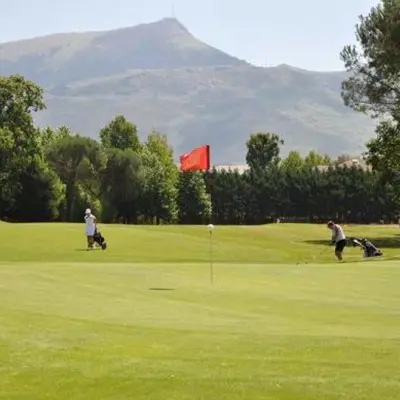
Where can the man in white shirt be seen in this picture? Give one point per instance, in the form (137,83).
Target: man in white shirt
(90,221)
(338,238)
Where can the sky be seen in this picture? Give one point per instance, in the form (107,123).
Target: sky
(307,34)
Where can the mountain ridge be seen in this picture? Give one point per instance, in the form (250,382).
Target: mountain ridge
(162,77)
(171,20)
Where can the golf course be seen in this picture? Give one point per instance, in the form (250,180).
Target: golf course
(281,318)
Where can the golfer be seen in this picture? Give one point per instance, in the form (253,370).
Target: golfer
(90,221)
(338,238)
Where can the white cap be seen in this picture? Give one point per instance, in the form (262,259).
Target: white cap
(88,211)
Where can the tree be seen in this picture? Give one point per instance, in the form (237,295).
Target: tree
(6,156)
(78,161)
(160,180)
(122,182)
(19,138)
(374,86)
(313,159)
(48,135)
(8,169)
(231,196)
(19,97)
(29,190)
(194,202)
(292,162)
(40,197)
(120,134)
(263,150)
(384,153)
(20,145)
(374,63)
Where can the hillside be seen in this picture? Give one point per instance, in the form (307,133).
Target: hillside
(160,76)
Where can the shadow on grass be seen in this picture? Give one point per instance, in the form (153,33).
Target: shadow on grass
(392,242)
(161,289)
(96,249)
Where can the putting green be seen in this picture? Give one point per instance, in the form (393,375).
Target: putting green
(142,320)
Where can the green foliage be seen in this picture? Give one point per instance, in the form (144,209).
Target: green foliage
(307,194)
(19,138)
(77,161)
(374,62)
(374,86)
(229,195)
(120,134)
(83,200)
(263,150)
(292,162)
(29,190)
(313,159)
(49,136)
(384,154)
(8,185)
(160,180)
(122,183)
(194,203)
(40,196)
(19,97)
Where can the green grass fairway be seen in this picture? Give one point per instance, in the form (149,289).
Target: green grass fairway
(142,320)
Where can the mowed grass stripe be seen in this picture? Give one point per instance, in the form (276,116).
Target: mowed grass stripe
(264,293)
(277,243)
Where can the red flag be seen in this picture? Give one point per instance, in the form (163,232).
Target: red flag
(197,159)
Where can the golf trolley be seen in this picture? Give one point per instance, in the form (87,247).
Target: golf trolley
(369,249)
(99,239)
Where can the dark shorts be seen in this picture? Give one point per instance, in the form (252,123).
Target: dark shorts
(340,245)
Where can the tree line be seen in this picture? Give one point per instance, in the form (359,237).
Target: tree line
(53,174)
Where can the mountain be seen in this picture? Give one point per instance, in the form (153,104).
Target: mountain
(161,77)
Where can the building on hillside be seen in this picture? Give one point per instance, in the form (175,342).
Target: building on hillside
(348,164)
(241,168)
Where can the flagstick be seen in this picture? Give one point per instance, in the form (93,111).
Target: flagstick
(199,160)
(210,228)
(211,260)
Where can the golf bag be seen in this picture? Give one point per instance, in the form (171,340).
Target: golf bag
(369,249)
(99,239)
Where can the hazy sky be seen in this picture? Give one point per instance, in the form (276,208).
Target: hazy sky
(307,33)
